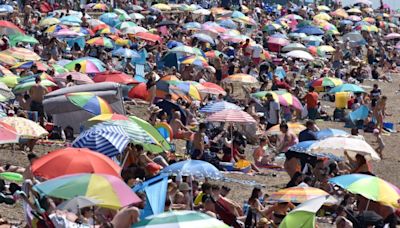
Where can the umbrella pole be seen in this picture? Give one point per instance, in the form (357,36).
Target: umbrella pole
(125,159)
(232,159)
(366,207)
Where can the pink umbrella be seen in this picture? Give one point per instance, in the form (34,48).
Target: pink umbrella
(275,44)
(398,45)
(354,18)
(80,78)
(392,36)
(8,134)
(231,116)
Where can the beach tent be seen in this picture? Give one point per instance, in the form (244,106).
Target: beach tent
(65,114)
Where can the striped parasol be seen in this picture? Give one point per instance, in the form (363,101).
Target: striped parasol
(232,116)
(240,78)
(211,88)
(108,140)
(298,194)
(219,106)
(22,54)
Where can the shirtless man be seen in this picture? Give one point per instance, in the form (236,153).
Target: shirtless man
(198,142)
(379,112)
(126,217)
(179,130)
(37,93)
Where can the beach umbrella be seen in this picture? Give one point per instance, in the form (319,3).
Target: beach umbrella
(100,41)
(110,19)
(26,85)
(89,102)
(6,59)
(347,88)
(135,8)
(195,61)
(10,81)
(111,191)
(148,36)
(204,37)
(219,106)
(296,128)
(8,28)
(28,64)
(196,168)
(275,44)
(211,88)
(392,36)
(49,21)
(369,20)
(354,18)
(323,8)
(310,30)
(108,30)
(330,132)
(21,54)
(5,72)
(107,117)
(75,204)
(354,10)
(346,22)
(293,17)
(82,30)
(67,33)
(340,13)
(25,128)
(107,139)
(240,78)
(5,93)
(123,15)
(125,24)
(73,161)
(99,6)
(192,25)
(298,194)
(326,81)
(134,30)
(204,12)
(300,55)
(70,20)
(21,38)
(338,145)
(173,43)
(88,65)
(114,76)
(284,98)
(6,8)
(322,16)
(271,27)
(231,116)
(294,46)
(187,50)
(313,39)
(178,219)
(8,134)
(55,28)
(371,187)
(136,16)
(95,22)
(78,77)
(161,6)
(228,23)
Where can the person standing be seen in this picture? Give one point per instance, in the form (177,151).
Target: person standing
(273,109)
(311,99)
(37,92)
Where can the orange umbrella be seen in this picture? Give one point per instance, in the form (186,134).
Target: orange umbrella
(72,161)
(148,36)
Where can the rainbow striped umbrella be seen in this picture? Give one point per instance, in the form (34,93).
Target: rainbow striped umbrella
(371,187)
(111,191)
(211,88)
(7,59)
(187,88)
(90,102)
(219,106)
(298,194)
(88,65)
(28,64)
(195,60)
(108,30)
(55,28)
(284,98)
(21,54)
(240,78)
(326,81)
(100,41)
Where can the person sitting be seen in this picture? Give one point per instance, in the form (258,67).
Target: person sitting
(308,133)
(180,131)
(278,211)
(360,164)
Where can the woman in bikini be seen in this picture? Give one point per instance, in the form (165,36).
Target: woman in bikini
(379,112)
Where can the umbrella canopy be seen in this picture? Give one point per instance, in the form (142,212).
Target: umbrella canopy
(355,38)
(371,187)
(88,65)
(48,21)
(114,76)
(347,88)
(126,53)
(72,161)
(296,128)
(161,6)
(294,46)
(25,128)
(196,168)
(178,219)
(187,50)
(107,117)
(111,191)
(219,106)
(78,77)
(7,59)
(110,19)
(392,36)
(298,194)
(310,30)
(89,102)
(211,88)
(192,25)
(195,61)
(8,28)
(100,41)
(5,92)
(137,16)
(326,81)
(77,203)
(148,36)
(70,20)
(21,38)
(24,86)
(231,116)
(338,145)
(300,55)
(330,132)
(22,54)
(108,140)
(8,134)
(204,37)
(240,78)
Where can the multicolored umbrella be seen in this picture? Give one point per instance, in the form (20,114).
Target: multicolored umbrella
(111,191)
(5,72)
(296,128)
(100,41)
(8,28)
(197,168)
(8,134)
(300,55)
(326,82)
(107,117)
(73,161)
(25,128)
(371,187)
(25,85)
(187,50)
(28,64)
(22,54)
(106,139)
(240,78)
(88,65)
(90,102)
(195,60)
(177,219)
(231,116)
(298,194)
(219,106)
(211,88)
(125,24)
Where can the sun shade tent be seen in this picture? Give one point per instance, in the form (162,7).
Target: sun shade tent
(66,114)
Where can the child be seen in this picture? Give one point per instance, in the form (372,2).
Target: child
(379,140)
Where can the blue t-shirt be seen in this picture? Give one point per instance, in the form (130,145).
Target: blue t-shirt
(307,135)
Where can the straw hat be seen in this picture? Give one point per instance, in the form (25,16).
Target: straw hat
(184,187)
(153,109)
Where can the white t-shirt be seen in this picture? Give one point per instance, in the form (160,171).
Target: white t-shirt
(257,51)
(272,116)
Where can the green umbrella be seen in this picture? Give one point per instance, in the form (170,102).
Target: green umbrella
(23,87)
(17,38)
(177,219)
(153,132)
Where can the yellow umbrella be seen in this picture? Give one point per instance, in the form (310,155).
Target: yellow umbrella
(219,10)
(25,128)
(293,127)
(245,9)
(161,6)
(323,16)
(10,81)
(354,10)
(7,59)
(323,8)
(49,21)
(340,13)
(326,48)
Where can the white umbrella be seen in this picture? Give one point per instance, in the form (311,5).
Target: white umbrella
(300,55)
(136,16)
(202,12)
(134,30)
(293,47)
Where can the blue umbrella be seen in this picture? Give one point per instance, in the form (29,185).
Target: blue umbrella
(330,132)
(360,114)
(108,140)
(305,148)
(347,88)
(360,23)
(70,20)
(310,30)
(6,9)
(173,43)
(111,19)
(346,22)
(237,14)
(219,106)
(204,38)
(192,25)
(126,53)
(196,168)
(228,23)
(279,35)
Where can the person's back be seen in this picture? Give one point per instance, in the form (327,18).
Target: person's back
(37,92)
(126,217)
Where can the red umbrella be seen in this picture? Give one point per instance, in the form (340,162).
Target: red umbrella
(7,28)
(148,36)
(8,134)
(139,91)
(276,44)
(212,88)
(114,76)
